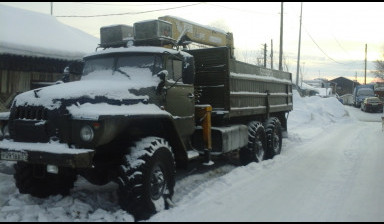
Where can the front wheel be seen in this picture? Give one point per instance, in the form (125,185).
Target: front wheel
(273,131)
(147,178)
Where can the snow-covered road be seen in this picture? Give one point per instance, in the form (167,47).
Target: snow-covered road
(330,169)
(335,176)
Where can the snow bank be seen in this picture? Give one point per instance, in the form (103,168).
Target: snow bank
(80,207)
(312,115)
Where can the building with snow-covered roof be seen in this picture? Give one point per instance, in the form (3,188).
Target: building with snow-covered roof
(34,50)
(306,90)
(317,83)
(343,85)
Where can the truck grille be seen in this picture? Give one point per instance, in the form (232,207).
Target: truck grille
(32,113)
(29,124)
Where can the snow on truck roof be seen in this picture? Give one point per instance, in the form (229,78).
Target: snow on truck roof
(142,49)
(28,33)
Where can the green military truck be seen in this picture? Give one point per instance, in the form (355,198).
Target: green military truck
(142,110)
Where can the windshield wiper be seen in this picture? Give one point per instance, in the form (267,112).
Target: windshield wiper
(122,72)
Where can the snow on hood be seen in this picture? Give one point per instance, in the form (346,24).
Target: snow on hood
(94,111)
(115,86)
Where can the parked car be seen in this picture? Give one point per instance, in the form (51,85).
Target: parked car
(361,92)
(373,104)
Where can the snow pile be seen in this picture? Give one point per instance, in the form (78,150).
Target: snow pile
(314,113)
(80,206)
(30,33)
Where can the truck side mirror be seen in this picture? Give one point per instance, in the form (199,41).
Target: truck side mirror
(162,74)
(66,74)
(74,68)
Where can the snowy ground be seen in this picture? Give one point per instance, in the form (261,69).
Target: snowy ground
(330,169)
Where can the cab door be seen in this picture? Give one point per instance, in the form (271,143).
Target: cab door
(180,100)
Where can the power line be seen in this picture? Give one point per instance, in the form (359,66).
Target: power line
(321,49)
(353,61)
(134,13)
(91,3)
(327,63)
(340,44)
(242,10)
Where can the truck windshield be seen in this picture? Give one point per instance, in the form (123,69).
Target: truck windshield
(121,66)
(365,92)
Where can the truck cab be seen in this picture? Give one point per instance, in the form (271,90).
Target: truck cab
(166,75)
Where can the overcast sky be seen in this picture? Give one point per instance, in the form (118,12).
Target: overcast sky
(333,35)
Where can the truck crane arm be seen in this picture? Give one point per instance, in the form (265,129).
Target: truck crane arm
(187,31)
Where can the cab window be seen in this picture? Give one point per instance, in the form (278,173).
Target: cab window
(174,68)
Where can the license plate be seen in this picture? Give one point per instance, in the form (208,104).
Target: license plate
(375,104)
(15,156)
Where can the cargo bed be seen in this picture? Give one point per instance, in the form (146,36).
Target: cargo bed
(236,89)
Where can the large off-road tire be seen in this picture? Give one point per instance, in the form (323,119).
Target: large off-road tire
(274,135)
(33,179)
(255,150)
(147,178)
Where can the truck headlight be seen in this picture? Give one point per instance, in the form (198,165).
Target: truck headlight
(4,132)
(86,133)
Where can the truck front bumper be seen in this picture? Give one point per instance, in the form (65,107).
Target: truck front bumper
(46,153)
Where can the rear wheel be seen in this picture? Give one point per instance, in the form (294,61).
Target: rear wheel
(255,151)
(33,179)
(274,135)
(147,178)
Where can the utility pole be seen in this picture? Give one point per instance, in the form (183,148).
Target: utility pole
(51,8)
(265,55)
(298,54)
(302,74)
(365,69)
(271,53)
(281,39)
(301,77)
